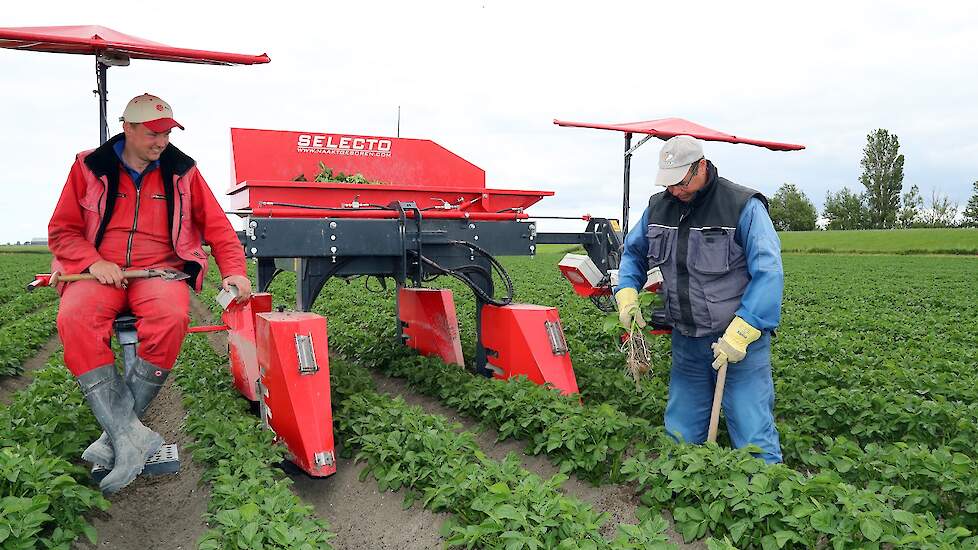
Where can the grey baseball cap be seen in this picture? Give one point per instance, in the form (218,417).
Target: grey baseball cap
(675,157)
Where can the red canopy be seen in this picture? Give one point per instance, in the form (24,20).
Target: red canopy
(666,128)
(94,39)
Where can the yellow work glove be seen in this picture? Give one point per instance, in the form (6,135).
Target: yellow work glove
(628,309)
(732,346)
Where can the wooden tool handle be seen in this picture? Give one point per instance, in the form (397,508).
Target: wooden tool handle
(711,435)
(133,274)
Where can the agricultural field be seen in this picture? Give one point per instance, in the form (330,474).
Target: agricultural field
(876,385)
(883,241)
(875,378)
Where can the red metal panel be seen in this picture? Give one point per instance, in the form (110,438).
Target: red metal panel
(283,155)
(666,128)
(261,302)
(430,323)
(296,400)
(517,337)
(240,319)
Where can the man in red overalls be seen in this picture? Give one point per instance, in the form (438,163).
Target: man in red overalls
(136,202)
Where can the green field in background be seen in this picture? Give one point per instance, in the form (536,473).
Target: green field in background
(29,248)
(871,241)
(889,241)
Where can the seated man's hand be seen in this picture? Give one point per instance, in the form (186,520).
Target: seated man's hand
(107,273)
(243,284)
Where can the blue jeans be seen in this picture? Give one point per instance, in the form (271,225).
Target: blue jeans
(748,395)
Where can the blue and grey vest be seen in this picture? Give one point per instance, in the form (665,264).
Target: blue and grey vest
(704,268)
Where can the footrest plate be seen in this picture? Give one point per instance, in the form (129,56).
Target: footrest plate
(165,461)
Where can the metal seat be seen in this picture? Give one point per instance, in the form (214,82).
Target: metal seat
(125,332)
(124,320)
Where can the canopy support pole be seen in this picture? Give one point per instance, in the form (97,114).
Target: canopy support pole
(639,144)
(100,76)
(628,171)
(628,175)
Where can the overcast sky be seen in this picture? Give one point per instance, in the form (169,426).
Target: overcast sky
(486,78)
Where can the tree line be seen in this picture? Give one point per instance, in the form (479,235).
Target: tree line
(881,205)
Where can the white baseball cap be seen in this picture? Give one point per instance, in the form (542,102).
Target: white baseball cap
(678,153)
(150,111)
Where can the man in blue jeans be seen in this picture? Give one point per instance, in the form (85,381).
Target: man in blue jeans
(720,259)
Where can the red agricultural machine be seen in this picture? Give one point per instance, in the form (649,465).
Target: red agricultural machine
(428,214)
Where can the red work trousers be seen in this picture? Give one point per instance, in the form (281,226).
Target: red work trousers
(88,309)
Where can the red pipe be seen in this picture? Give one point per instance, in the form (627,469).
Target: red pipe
(284,212)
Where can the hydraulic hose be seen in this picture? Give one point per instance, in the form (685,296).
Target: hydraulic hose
(462,274)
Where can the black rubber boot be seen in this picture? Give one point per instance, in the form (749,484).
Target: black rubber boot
(112,403)
(144,381)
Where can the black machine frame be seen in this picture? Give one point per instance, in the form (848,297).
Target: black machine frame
(410,250)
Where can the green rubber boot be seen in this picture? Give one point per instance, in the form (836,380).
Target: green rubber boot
(112,404)
(144,381)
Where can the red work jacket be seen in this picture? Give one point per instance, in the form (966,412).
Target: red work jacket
(79,222)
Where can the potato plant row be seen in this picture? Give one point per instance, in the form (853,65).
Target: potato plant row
(690,490)
(555,425)
(715,490)
(44,496)
(942,480)
(590,442)
(822,347)
(872,416)
(495,504)
(898,402)
(17,269)
(19,340)
(874,349)
(24,304)
(251,504)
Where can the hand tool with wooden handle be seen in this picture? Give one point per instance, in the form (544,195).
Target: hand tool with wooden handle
(52,279)
(711,435)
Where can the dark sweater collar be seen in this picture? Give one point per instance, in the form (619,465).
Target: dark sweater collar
(136,176)
(104,160)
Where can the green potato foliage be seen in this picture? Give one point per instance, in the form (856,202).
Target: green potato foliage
(876,388)
(44,496)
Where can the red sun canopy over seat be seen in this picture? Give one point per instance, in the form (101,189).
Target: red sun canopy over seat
(95,39)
